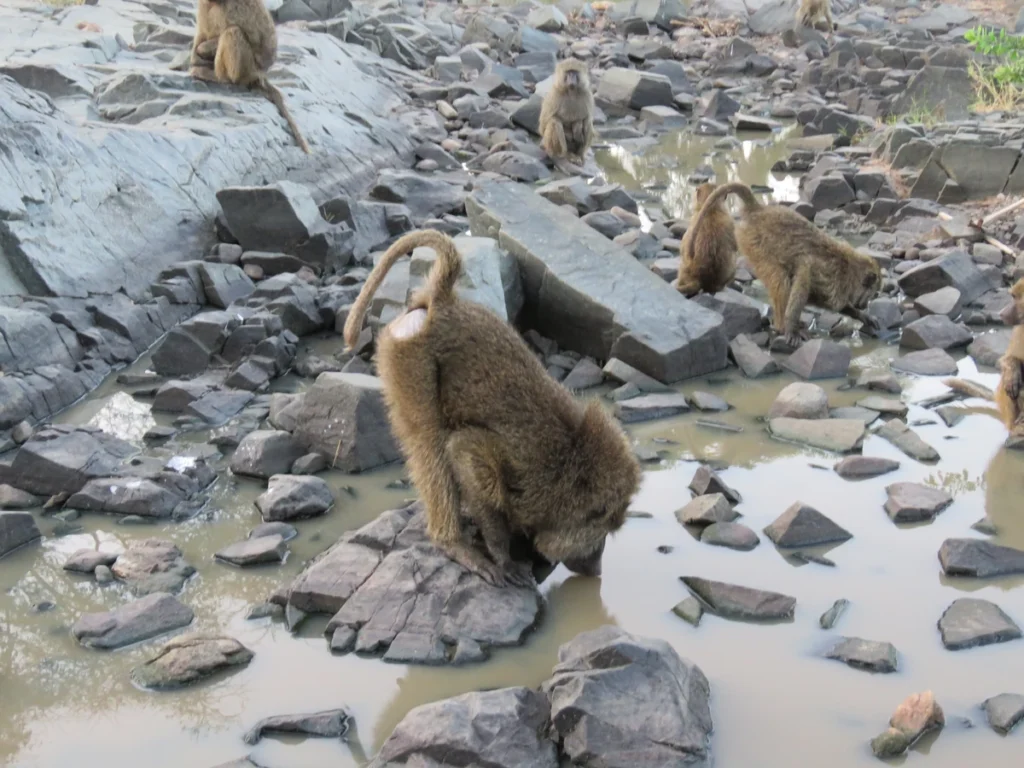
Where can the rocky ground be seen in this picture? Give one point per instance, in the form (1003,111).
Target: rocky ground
(142,212)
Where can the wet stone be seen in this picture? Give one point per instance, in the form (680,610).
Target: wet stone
(689,610)
(285,531)
(190,658)
(839,435)
(907,440)
(707,509)
(142,619)
(820,359)
(706,481)
(294,497)
(886,405)
(103,574)
(650,407)
(265,453)
(55,461)
(126,496)
(152,565)
(1004,711)
(979,558)
(584,375)
(829,618)
(917,715)
(915,503)
(751,359)
(951,415)
(804,526)
(343,640)
(858,467)
(263,549)
(880,381)
(731,535)
(869,655)
(731,601)
(971,622)
(86,560)
(16,530)
(800,400)
(12,498)
(329,724)
(416,648)
(928,362)
(705,401)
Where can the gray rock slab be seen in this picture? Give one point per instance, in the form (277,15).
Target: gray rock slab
(915,503)
(54,461)
(189,659)
(935,332)
(126,496)
(954,269)
(1004,711)
(148,566)
(16,530)
(869,655)
(592,296)
(971,622)
(294,497)
(707,509)
(12,498)
(139,620)
(839,435)
(87,560)
(907,440)
(731,535)
(651,407)
(262,549)
(820,359)
(859,467)
(887,405)
(979,558)
(707,402)
(928,362)
(689,610)
(751,359)
(800,400)
(265,453)
(731,601)
(631,700)
(804,526)
(705,480)
(329,724)
(502,728)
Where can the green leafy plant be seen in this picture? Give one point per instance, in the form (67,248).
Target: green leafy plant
(1001,85)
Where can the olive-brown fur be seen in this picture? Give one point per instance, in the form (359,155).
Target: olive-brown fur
(797,262)
(812,11)
(707,256)
(567,112)
(239,38)
(488,434)
(1009,395)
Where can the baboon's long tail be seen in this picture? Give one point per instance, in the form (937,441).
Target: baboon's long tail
(970,388)
(277,99)
(746,197)
(443,275)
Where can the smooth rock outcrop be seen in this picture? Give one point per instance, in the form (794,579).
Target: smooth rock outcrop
(190,658)
(139,620)
(590,295)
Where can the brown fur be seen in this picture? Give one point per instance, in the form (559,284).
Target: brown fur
(486,431)
(811,12)
(1009,395)
(796,261)
(240,39)
(567,112)
(707,258)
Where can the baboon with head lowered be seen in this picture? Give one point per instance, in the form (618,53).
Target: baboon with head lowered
(487,433)
(240,39)
(797,262)
(811,12)
(707,257)
(1009,395)
(567,112)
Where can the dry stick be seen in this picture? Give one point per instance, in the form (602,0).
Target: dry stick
(943,216)
(1002,212)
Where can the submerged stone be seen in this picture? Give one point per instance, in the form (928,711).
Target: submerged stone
(331,723)
(139,620)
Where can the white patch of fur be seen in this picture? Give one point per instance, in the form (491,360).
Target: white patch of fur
(408,325)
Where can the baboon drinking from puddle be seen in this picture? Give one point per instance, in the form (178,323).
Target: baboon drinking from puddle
(486,431)
(567,112)
(796,261)
(707,257)
(1009,395)
(239,38)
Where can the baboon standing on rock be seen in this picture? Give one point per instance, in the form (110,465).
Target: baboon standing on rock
(567,112)
(707,257)
(797,262)
(488,433)
(1009,395)
(811,12)
(240,38)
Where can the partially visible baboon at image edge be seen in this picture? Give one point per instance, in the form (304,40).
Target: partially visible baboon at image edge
(707,257)
(797,262)
(567,112)
(240,38)
(812,11)
(488,434)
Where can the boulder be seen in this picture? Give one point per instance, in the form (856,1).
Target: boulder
(139,620)
(954,269)
(706,481)
(591,296)
(254,551)
(732,535)
(190,658)
(945,301)
(803,526)
(948,91)
(127,496)
(705,510)
(935,332)
(800,400)
(928,362)
(149,566)
(292,497)
(628,89)
(265,453)
(751,359)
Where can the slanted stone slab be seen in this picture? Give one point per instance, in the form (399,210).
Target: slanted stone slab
(731,601)
(979,558)
(16,530)
(839,435)
(971,622)
(804,526)
(590,295)
(915,503)
(650,407)
(907,440)
(1004,711)
(57,460)
(869,655)
(190,658)
(706,480)
(927,362)
(392,587)
(820,359)
(134,622)
(707,509)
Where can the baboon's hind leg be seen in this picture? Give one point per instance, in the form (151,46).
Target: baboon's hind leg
(235,62)
(553,141)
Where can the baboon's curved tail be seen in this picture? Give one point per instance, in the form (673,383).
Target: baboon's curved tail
(746,197)
(273,93)
(970,388)
(441,282)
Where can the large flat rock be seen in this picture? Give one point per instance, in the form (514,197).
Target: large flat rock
(591,295)
(120,169)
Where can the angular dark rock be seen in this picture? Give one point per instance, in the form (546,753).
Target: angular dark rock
(277,217)
(707,509)
(954,269)
(16,530)
(254,551)
(650,407)
(623,372)
(56,461)
(731,601)
(945,301)
(970,622)
(731,535)
(929,362)
(804,526)
(190,658)
(1004,711)
(915,503)
(907,440)
(224,283)
(706,480)
(633,89)
(820,359)
(329,724)
(751,359)
(935,332)
(139,620)
(869,655)
(979,558)
(126,496)
(585,374)
(294,497)
(265,453)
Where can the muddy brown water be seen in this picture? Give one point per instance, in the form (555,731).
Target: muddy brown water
(61,704)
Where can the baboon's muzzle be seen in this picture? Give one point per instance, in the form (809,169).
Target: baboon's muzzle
(587,566)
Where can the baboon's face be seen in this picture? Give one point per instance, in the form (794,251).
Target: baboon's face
(871,282)
(1014,313)
(580,548)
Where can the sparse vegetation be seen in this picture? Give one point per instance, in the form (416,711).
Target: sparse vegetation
(999,86)
(918,114)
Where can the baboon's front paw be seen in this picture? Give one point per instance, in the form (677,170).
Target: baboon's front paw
(519,575)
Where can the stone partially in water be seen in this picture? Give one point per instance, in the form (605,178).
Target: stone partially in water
(87,560)
(152,565)
(804,526)
(190,658)
(126,496)
(980,559)
(628,700)
(915,503)
(829,618)
(839,435)
(650,407)
(935,332)
(294,497)
(265,453)
(494,728)
(731,535)
(284,530)
(705,510)
(56,460)
(1004,711)
(12,498)
(134,622)
(928,362)
(16,530)
(751,359)
(915,717)
(263,549)
(971,622)
(731,601)
(869,655)
(705,401)
(331,723)
(800,400)
(820,359)
(887,405)
(908,441)
(706,480)
(689,610)
(858,467)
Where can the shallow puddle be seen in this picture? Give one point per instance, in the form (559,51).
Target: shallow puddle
(61,704)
